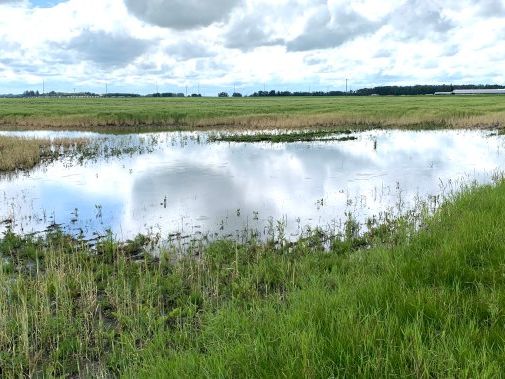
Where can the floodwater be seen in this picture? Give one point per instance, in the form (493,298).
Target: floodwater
(184,184)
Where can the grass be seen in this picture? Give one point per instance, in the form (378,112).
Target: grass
(20,153)
(24,153)
(284,137)
(396,301)
(253,113)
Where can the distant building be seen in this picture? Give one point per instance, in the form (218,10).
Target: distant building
(475,91)
(479,92)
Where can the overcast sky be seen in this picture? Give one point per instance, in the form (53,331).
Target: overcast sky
(134,45)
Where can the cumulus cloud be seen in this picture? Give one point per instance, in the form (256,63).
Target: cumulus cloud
(248,34)
(325,30)
(490,8)
(181,14)
(420,18)
(106,49)
(185,50)
(312,42)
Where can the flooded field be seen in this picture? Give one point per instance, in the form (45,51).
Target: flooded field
(177,184)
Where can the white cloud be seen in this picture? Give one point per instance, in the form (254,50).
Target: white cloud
(287,44)
(181,14)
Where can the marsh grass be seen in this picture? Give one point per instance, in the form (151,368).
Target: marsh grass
(285,137)
(143,114)
(403,299)
(18,153)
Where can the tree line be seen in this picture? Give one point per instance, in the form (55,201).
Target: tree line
(381,90)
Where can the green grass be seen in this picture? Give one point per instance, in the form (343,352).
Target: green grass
(394,302)
(285,137)
(252,113)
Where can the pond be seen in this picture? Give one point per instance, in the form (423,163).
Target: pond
(178,183)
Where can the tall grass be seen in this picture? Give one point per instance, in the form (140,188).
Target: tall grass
(253,113)
(395,302)
(18,153)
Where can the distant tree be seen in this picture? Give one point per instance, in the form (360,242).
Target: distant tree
(222,94)
(30,94)
(196,95)
(237,94)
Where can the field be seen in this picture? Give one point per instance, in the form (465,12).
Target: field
(253,113)
(420,295)
(394,302)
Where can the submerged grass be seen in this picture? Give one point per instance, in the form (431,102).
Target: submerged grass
(394,302)
(253,113)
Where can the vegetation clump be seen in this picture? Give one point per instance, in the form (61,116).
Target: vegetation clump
(24,153)
(285,137)
(398,300)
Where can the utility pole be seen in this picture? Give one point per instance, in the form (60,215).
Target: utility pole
(157,88)
(106,89)
(43,87)
(346,86)
(186,91)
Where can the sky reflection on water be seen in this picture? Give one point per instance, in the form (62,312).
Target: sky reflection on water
(224,187)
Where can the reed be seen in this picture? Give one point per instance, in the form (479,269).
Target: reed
(18,153)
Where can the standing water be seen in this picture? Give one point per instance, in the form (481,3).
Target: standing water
(178,182)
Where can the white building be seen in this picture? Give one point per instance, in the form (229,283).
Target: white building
(479,92)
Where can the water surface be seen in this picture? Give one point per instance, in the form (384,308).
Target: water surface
(182,184)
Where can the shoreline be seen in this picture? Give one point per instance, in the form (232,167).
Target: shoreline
(110,312)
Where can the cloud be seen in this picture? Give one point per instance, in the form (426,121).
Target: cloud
(325,30)
(249,34)
(417,19)
(186,50)
(108,50)
(491,8)
(181,14)
(218,43)
(383,53)
(451,51)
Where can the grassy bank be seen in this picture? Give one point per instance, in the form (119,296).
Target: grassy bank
(25,153)
(253,113)
(391,303)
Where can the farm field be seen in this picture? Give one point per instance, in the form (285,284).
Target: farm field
(253,113)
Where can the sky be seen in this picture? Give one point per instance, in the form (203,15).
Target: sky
(208,46)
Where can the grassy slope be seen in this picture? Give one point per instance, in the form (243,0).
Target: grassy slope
(433,305)
(253,112)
